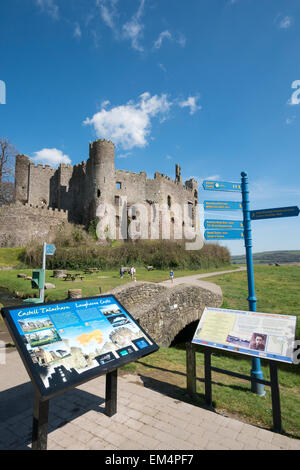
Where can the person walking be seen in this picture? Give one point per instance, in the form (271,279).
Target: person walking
(172,276)
(121,272)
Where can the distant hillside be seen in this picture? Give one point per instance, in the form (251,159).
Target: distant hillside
(267,257)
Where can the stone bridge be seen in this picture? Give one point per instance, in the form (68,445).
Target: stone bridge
(164,311)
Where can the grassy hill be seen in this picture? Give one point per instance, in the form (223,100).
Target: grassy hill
(266,257)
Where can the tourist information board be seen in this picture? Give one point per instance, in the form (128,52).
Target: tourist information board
(223,234)
(292,211)
(222,205)
(63,344)
(223,224)
(221,186)
(263,335)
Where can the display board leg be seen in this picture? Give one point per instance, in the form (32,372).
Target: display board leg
(40,424)
(111,393)
(207,377)
(190,368)
(275,397)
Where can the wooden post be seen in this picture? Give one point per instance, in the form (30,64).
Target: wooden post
(40,424)
(275,397)
(111,393)
(190,368)
(207,376)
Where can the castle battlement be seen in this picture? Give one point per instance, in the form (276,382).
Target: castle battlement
(39,166)
(44,210)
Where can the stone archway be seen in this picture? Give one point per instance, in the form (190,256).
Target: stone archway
(163,311)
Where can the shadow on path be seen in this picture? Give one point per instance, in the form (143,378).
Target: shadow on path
(16,413)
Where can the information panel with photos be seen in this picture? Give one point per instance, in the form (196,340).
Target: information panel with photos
(66,343)
(263,335)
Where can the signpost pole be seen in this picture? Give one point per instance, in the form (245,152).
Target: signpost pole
(42,291)
(256,366)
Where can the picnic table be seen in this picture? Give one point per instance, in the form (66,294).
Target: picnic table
(91,270)
(73,276)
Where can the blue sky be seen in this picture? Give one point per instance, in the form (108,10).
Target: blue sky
(213,85)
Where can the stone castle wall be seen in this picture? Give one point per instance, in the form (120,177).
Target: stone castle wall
(19,224)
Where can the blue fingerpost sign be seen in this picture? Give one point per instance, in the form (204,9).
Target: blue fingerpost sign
(223,224)
(292,211)
(223,234)
(222,205)
(221,186)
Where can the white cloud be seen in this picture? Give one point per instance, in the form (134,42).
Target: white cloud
(52,157)
(163,35)
(169,157)
(133,29)
(191,103)
(129,125)
(77,31)
(124,155)
(105,103)
(49,7)
(108,13)
(181,40)
(285,22)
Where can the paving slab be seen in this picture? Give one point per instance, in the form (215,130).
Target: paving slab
(77,420)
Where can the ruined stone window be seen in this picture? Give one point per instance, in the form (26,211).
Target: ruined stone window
(98,193)
(190,209)
(195,194)
(172,220)
(117,200)
(117,221)
(169,202)
(119,185)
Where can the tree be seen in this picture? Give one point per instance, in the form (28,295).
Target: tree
(7,164)
(7,193)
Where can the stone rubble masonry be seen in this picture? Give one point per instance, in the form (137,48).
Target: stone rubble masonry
(79,190)
(19,223)
(163,312)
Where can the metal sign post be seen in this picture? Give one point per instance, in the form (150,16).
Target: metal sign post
(48,250)
(256,371)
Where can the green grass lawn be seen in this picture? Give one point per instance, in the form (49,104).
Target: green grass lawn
(276,289)
(90,284)
(10,256)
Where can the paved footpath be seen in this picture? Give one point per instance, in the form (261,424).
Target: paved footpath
(195,280)
(145,419)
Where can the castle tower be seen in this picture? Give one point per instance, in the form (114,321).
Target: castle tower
(21,178)
(102,174)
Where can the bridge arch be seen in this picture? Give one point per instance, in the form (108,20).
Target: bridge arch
(163,311)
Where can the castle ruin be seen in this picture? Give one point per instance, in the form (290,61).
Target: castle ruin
(76,192)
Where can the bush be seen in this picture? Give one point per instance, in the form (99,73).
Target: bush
(76,249)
